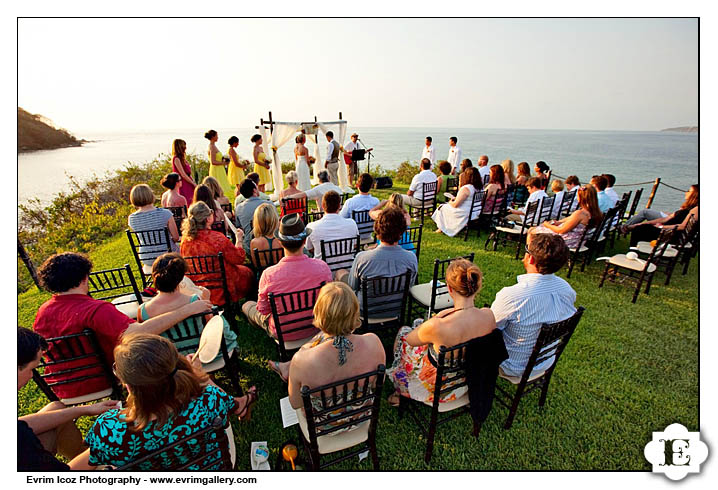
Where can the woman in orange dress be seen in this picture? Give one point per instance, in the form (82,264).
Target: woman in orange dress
(198,239)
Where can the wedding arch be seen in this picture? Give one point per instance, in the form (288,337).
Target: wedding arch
(281,132)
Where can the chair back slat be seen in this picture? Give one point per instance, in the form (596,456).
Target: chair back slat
(204,450)
(293,315)
(412,236)
(521,195)
(266,258)
(292,206)
(179,213)
(438,282)
(452,184)
(112,283)
(567,203)
(384,298)
(634,204)
(146,246)
(364,223)
(209,271)
(312,216)
(546,208)
(340,253)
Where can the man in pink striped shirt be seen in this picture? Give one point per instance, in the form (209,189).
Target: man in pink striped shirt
(295,272)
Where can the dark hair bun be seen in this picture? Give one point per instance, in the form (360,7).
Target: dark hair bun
(210,134)
(170,180)
(168,271)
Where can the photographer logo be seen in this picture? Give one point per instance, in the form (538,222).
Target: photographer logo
(676,452)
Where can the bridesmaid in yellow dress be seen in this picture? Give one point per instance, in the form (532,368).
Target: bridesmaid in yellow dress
(235,175)
(260,162)
(217,163)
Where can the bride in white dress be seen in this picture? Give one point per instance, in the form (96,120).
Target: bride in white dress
(452,216)
(301,155)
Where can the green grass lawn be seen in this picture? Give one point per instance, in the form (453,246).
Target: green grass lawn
(628,370)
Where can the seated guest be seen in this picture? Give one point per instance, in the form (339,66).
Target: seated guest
(524,173)
(265,222)
(541,170)
(539,297)
(148,217)
(609,189)
(295,272)
(254,177)
(205,194)
(465,163)
(216,189)
(445,169)
(600,182)
(535,194)
(244,212)
(172,197)
(199,239)
(169,398)
(572,183)
(451,217)
(52,430)
(336,352)
(645,231)
(388,259)
(332,226)
(496,183)
(71,310)
(415,193)
(167,274)
(572,227)
(292,180)
(558,193)
(509,177)
(413,374)
(484,169)
(317,192)
(362,201)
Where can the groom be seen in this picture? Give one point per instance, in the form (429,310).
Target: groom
(332,161)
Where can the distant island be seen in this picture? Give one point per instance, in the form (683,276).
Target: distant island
(683,129)
(35,132)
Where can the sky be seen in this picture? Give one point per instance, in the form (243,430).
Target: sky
(600,74)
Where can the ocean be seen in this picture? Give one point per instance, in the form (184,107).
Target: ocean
(632,156)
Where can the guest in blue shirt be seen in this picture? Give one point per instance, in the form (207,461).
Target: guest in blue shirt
(363,201)
(604,200)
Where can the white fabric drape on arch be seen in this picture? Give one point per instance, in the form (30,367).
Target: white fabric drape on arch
(318,163)
(281,133)
(339,128)
(265,148)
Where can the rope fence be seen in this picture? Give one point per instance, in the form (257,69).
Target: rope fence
(631,185)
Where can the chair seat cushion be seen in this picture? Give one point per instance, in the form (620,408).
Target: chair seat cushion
(513,231)
(331,443)
(422,294)
(367,241)
(646,248)
(87,398)
(295,344)
(147,269)
(452,405)
(621,260)
(127,304)
(216,364)
(517,379)
(580,250)
(380,320)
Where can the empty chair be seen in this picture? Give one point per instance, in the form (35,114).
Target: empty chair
(339,254)
(411,240)
(517,232)
(116,285)
(551,342)
(365,225)
(434,296)
(383,301)
(290,206)
(146,247)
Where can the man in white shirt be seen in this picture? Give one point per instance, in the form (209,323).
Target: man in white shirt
(612,194)
(317,192)
(454,157)
(415,193)
(536,194)
(484,169)
(331,226)
(332,161)
(428,151)
(362,201)
(352,169)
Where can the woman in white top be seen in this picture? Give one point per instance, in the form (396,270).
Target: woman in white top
(451,217)
(301,155)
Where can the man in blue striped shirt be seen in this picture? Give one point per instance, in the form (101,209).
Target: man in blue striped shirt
(538,297)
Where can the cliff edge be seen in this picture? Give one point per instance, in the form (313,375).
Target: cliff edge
(35,132)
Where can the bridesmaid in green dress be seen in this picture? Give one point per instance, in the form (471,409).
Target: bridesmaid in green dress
(218,164)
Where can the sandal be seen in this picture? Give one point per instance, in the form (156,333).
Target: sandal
(252,396)
(274,366)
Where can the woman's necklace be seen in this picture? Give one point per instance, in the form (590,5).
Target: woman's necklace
(343,345)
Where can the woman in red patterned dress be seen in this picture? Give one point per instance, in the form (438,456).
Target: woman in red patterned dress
(198,239)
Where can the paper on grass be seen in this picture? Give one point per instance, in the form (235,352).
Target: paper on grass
(289,415)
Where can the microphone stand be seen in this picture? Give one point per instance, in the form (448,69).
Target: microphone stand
(368,158)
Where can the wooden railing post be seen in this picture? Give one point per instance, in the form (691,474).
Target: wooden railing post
(653,192)
(28,263)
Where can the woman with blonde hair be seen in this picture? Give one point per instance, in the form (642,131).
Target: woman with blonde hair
(293,185)
(218,163)
(169,397)
(219,197)
(394,200)
(199,239)
(266,222)
(571,228)
(508,166)
(181,166)
(148,217)
(336,352)
(413,373)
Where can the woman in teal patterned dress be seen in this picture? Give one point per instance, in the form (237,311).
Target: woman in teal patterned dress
(169,398)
